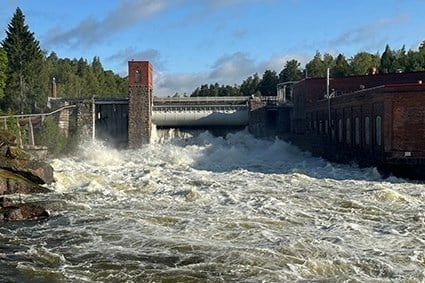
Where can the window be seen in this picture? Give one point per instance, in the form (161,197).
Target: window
(340,130)
(348,130)
(333,129)
(357,130)
(366,131)
(321,127)
(138,76)
(378,128)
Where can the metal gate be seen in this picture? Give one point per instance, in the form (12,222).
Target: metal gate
(112,122)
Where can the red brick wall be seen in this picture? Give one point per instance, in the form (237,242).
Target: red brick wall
(408,121)
(145,70)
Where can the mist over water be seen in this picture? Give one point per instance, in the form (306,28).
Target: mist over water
(199,208)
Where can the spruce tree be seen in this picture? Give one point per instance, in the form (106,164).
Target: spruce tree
(24,92)
(3,66)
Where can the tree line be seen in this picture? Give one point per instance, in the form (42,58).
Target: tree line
(27,72)
(391,61)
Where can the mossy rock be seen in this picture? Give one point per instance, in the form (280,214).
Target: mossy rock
(14,152)
(11,183)
(7,138)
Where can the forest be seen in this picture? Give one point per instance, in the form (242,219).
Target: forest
(26,72)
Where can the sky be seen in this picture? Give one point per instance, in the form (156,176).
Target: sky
(195,42)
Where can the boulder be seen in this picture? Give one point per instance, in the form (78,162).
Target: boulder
(36,171)
(12,183)
(22,212)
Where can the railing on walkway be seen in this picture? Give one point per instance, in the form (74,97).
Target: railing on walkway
(201,100)
(30,120)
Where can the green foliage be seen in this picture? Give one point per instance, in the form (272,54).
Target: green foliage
(362,62)
(341,67)
(216,90)
(316,68)
(250,85)
(52,136)
(291,72)
(24,92)
(3,67)
(267,86)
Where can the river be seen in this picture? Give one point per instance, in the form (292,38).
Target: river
(212,209)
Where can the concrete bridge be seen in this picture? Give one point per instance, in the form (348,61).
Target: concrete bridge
(200,111)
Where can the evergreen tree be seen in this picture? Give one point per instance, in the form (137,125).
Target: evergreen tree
(268,84)
(291,72)
(341,67)
(387,60)
(3,66)
(401,60)
(24,92)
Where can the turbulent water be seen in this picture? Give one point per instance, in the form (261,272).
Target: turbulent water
(214,209)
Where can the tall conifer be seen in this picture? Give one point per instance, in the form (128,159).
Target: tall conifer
(24,89)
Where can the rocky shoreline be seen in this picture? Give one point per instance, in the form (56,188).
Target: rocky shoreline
(21,173)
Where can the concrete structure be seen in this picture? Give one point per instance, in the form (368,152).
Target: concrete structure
(128,122)
(140,101)
(201,112)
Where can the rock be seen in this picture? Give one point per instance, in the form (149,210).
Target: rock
(37,171)
(7,138)
(5,202)
(14,152)
(11,183)
(22,212)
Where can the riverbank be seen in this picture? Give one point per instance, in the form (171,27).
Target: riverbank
(21,173)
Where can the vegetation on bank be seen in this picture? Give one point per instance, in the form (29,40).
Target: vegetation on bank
(26,73)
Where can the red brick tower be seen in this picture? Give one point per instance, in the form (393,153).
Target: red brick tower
(140,98)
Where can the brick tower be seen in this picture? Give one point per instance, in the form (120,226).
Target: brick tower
(140,100)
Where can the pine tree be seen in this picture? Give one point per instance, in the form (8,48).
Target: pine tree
(387,60)
(267,86)
(3,66)
(24,92)
(341,68)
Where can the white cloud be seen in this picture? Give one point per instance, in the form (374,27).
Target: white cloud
(91,30)
(227,70)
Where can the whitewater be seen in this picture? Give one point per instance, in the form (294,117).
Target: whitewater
(200,208)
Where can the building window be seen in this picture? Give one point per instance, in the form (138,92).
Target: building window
(138,76)
(357,130)
(366,131)
(378,127)
(348,131)
(340,130)
(321,127)
(333,129)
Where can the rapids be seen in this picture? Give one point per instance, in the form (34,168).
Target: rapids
(218,209)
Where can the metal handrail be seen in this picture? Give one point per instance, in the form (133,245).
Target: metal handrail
(38,115)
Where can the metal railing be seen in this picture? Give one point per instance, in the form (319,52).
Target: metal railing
(30,120)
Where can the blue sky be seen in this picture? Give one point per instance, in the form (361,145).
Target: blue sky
(192,42)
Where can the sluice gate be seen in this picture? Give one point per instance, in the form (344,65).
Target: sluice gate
(200,112)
